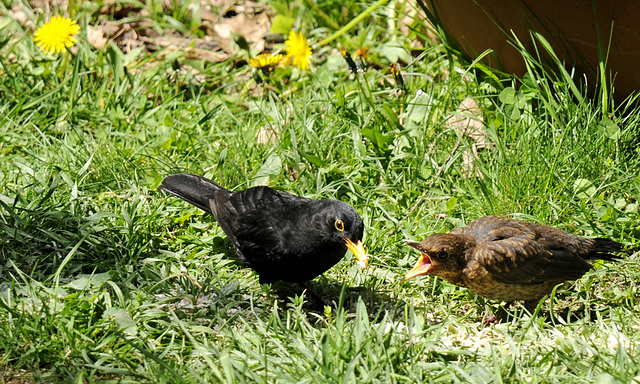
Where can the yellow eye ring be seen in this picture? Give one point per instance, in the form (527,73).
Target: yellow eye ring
(339,225)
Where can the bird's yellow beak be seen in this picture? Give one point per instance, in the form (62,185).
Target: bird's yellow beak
(422,266)
(359,252)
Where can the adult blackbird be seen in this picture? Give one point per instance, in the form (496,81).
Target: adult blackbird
(506,259)
(279,235)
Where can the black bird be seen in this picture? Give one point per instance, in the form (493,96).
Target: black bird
(506,259)
(279,235)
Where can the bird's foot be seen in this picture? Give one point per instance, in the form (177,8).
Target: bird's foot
(489,320)
(316,296)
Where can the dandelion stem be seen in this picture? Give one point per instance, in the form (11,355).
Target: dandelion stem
(353,22)
(323,15)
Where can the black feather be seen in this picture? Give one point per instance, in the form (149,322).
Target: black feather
(603,249)
(195,190)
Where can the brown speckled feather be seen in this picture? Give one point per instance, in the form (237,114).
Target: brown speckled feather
(518,252)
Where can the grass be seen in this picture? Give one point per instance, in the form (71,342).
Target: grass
(103,279)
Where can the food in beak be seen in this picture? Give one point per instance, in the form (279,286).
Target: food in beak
(359,252)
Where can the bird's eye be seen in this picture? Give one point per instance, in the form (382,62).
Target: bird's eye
(339,225)
(442,255)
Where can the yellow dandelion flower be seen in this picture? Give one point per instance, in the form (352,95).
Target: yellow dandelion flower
(361,57)
(57,34)
(362,52)
(265,61)
(298,50)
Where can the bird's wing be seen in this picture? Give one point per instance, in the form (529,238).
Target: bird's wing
(253,220)
(518,254)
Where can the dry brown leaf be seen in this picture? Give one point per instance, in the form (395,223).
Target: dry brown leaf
(20,16)
(252,27)
(205,48)
(268,135)
(119,10)
(222,4)
(410,13)
(206,11)
(127,38)
(48,5)
(468,121)
(96,36)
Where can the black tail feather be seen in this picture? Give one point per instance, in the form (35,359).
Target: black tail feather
(193,189)
(605,249)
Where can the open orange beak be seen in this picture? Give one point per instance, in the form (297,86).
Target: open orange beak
(423,266)
(359,252)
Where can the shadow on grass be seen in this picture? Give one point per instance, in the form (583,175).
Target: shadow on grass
(559,315)
(322,292)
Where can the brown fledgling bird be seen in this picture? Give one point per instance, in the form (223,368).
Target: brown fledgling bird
(506,259)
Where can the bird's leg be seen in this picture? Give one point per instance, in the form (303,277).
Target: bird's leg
(501,314)
(286,291)
(491,319)
(531,306)
(315,295)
